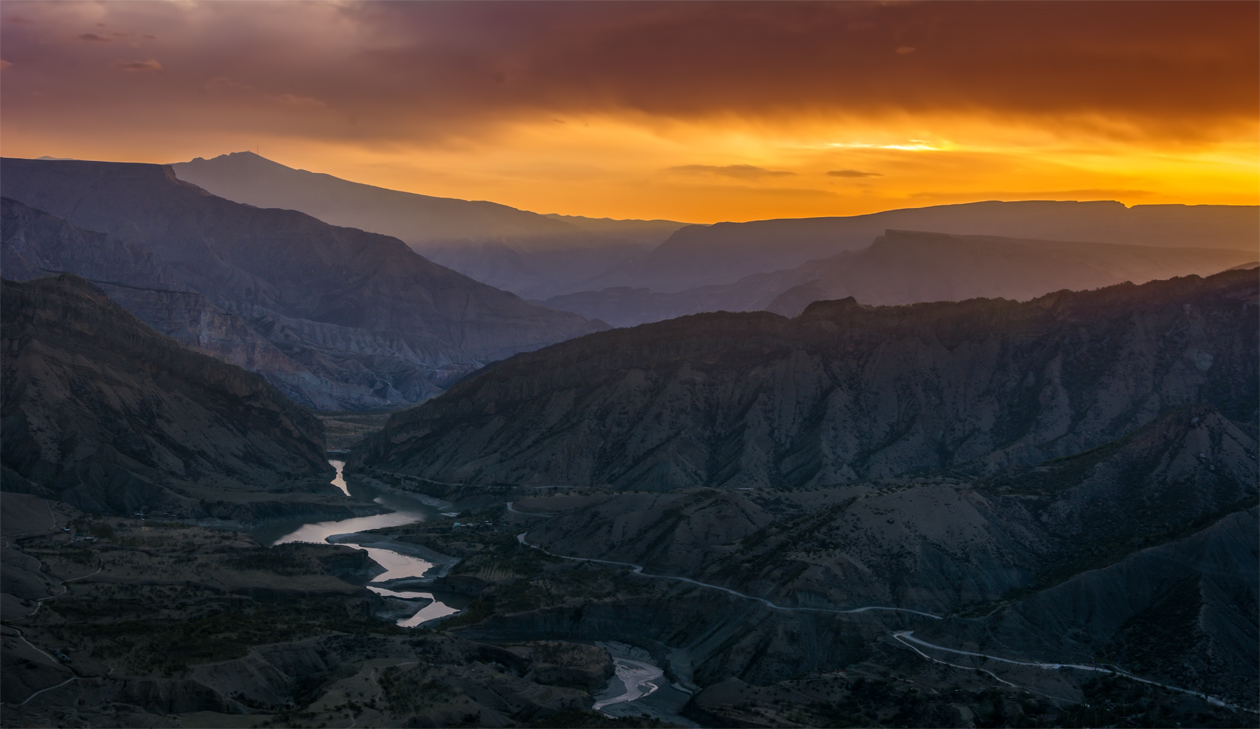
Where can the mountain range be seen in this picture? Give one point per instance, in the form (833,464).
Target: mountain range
(726,252)
(842,393)
(907,267)
(532,255)
(371,321)
(628,272)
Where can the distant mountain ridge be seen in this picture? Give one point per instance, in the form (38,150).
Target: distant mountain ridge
(907,267)
(844,392)
(725,252)
(376,322)
(529,254)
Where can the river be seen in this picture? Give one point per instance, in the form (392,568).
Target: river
(639,686)
(405,509)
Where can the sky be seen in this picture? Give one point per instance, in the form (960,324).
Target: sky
(697,112)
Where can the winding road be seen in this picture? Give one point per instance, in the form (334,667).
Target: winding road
(39,604)
(904,637)
(638,570)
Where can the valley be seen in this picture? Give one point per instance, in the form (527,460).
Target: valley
(779,580)
(629,365)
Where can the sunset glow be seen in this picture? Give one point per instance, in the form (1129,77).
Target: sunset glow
(689,111)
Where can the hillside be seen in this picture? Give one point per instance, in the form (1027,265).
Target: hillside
(104,413)
(355,308)
(36,244)
(842,393)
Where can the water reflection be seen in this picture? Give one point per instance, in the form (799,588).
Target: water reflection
(405,509)
(340,482)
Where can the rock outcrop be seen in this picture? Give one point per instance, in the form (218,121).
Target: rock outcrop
(842,393)
(103,412)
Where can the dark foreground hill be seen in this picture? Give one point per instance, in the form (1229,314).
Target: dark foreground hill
(1140,553)
(377,322)
(842,393)
(104,413)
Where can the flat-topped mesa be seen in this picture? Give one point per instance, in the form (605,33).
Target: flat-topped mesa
(105,413)
(848,392)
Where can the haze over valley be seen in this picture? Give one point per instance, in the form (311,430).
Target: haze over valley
(629,365)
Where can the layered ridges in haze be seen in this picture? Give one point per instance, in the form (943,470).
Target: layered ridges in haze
(360,310)
(105,413)
(907,267)
(725,252)
(36,244)
(842,393)
(529,254)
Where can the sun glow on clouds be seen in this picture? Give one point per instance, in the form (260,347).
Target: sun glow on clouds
(691,111)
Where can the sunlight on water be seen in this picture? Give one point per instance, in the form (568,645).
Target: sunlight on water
(339,481)
(396,564)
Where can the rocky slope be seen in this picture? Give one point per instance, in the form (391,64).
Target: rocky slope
(723,253)
(526,253)
(36,244)
(904,267)
(103,412)
(1139,554)
(842,393)
(356,308)
(935,545)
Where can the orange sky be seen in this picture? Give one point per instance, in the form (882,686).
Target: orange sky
(690,111)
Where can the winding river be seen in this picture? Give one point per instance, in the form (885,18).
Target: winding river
(405,509)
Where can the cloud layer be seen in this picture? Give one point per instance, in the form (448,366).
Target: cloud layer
(482,78)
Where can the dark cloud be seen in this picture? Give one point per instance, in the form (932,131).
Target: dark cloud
(741,172)
(149,65)
(95,37)
(1171,70)
(853,173)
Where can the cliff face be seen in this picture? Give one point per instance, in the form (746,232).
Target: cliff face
(842,393)
(105,413)
(358,308)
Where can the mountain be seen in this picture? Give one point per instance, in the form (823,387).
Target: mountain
(1140,554)
(103,412)
(35,244)
(723,253)
(359,310)
(905,267)
(842,393)
(529,254)
(647,233)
